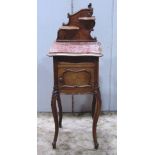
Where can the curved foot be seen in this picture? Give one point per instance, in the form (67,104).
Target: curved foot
(54,145)
(96,146)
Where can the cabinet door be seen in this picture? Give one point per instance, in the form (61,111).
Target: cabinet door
(76,78)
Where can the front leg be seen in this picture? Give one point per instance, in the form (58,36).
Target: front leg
(60,110)
(96,116)
(93,105)
(55,116)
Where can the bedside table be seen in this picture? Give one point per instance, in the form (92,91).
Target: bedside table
(76,71)
(76,65)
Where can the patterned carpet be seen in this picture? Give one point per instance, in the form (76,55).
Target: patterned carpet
(75,136)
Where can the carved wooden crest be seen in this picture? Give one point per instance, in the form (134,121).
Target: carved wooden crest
(79,26)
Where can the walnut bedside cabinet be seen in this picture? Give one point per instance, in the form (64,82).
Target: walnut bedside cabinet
(76,66)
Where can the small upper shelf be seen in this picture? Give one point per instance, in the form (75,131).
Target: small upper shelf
(87,18)
(69,28)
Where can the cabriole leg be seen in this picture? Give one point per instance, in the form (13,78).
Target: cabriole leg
(55,116)
(93,105)
(96,116)
(60,110)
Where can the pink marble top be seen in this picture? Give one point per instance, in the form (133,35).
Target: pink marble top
(75,49)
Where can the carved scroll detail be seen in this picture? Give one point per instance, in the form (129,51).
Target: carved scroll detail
(79,26)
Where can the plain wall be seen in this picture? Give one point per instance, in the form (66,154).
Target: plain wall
(51,15)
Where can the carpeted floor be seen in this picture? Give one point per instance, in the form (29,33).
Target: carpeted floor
(75,136)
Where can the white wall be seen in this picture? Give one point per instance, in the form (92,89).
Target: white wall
(51,14)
